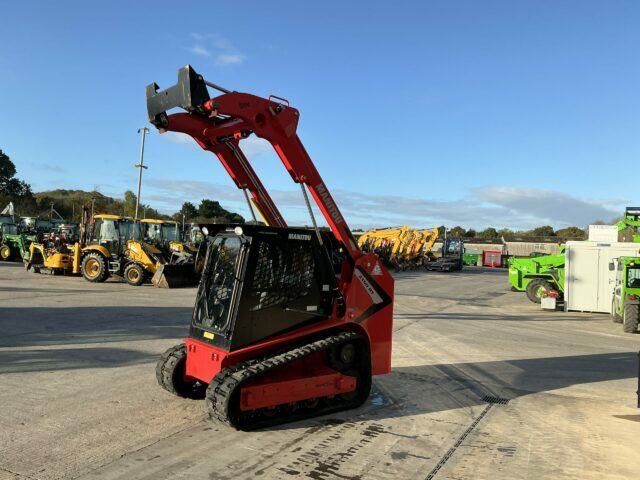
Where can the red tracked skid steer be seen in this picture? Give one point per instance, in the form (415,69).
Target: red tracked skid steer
(289,323)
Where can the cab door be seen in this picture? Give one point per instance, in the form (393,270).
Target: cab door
(617,291)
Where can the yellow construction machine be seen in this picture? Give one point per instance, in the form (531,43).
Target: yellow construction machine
(110,245)
(181,256)
(402,248)
(52,259)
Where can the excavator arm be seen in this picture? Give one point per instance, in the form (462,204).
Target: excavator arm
(218,124)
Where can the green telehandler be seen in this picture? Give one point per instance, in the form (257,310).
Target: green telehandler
(14,245)
(625,305)
(534,275)
(629,226)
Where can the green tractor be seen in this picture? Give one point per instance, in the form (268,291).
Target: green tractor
(625,305)
(629,226)
(534,275)
(14,245)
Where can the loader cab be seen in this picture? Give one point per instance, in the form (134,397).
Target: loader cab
(258,282)
(195,235)
(8,229)
(170,232)
(113,232)
(161,232)
(625,304)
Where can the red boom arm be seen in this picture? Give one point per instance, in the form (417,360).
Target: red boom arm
(218,124)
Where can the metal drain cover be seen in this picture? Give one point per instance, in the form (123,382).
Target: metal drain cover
(495,400)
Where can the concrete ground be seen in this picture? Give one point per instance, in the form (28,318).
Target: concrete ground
(78,396)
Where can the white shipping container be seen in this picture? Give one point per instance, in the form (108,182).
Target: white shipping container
(588,281)
(603,233)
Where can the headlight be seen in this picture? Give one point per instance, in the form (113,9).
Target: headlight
(205,230)
(238,230)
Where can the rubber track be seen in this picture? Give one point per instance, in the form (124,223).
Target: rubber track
(224,388)
(169,359)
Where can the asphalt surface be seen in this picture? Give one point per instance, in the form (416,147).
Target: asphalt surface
(484,386)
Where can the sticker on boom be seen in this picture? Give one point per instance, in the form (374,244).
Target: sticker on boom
(208,335)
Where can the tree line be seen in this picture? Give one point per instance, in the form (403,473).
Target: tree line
(546,231)
(69,203)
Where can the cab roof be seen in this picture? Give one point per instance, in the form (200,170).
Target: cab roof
(155,220)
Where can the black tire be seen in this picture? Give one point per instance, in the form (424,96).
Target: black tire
(170,371)
(615,318)
(5,253)
(630,318)
(134,274)
(94,268)
(534,288)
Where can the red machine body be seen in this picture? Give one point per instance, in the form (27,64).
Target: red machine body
(365,286)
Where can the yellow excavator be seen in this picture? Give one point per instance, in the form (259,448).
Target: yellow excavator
(110,245)
(402,248)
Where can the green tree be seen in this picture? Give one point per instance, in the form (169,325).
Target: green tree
(188,210)
(488,233)
(471,233)
(505,233)
(545,231)
(571,232)
(129,205)
(457,231)
(10,186)
(210,209)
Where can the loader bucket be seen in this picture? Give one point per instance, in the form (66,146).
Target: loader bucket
(175,276)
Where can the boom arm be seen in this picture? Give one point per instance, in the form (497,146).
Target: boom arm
(218,124)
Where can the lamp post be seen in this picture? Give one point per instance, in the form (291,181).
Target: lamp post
(140,166)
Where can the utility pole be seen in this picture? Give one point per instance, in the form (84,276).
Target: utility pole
(140,166)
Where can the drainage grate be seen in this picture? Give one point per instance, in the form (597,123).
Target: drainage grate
(495,400)
(491,400)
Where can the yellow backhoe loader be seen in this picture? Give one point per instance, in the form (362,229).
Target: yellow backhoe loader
(110,245)
(166,235)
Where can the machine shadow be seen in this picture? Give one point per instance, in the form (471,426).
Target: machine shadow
(22,329)
(540,316)
(42,326)
(431,388)
(424,389)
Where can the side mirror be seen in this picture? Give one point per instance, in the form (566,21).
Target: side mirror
(612,266)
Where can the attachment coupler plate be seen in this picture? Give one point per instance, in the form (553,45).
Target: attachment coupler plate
(190,93)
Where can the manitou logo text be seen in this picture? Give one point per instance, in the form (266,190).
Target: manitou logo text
(299,236)
(334,213)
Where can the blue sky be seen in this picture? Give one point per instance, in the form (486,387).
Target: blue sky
(478,113)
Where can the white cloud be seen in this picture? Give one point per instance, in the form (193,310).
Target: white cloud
(220,49)
(200,50)
(254,146)
(500,207)
(548,206)
(229,59)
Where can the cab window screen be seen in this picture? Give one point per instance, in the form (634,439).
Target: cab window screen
(214,299)
(633,277)
(283,274)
